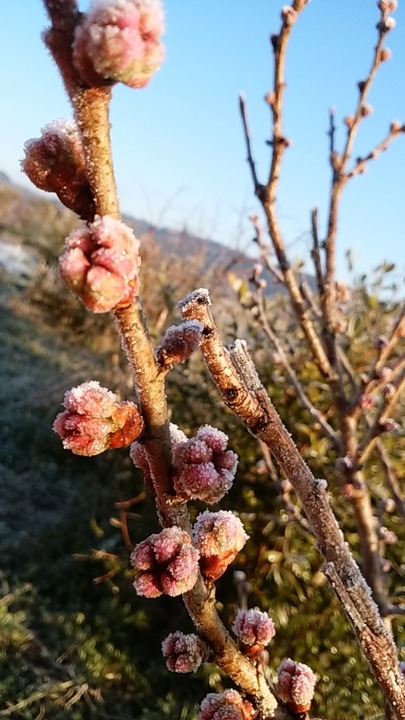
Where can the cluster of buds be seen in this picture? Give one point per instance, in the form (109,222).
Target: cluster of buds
(119,41)
(101,263)
(95,420)
(165,563)
(254,630)
(204,468)
(184,653)
(296,685)
(55,163)
(219,536)
(228,705)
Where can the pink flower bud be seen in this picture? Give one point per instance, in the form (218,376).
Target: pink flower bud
(296,685)
(389,425)
(388,6)
(385,54)
(178,343)
(119,41)
(366,401)
(385,374)
(228,705)
(101,264)
(95,420)
(254,630)
(165,563)
(184,653)
(204,469)
(55,163)
(219,536)
(387,536)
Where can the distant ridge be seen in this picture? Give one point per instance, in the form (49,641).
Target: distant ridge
(22,209)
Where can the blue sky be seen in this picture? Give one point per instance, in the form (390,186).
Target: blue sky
(178,144)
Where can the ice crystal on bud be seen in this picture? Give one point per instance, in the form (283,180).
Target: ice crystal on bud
(95,420)
(55,163)
(178,343)
(254,630)
(219,536)
(119,41)
(386,24)
(397,127)
(228,705)
(288,14)
(366,110)
(204,468)
(184,653)
(101,264)
(165,563)
(296,685)
(201,296)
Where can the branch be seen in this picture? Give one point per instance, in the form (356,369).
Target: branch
(383,416)
(316,253)
(328,430)
(247,398)
(246,130)
(391,479)
(361,162)
(268,194)
(339,178)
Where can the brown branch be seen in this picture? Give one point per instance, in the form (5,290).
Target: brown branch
(247,398)
(398,331)
(339,178)
(316,252)
(361,162)
(317,416)
(377,427)
(265,250)
(268,195)
(258,188)
(390,477)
